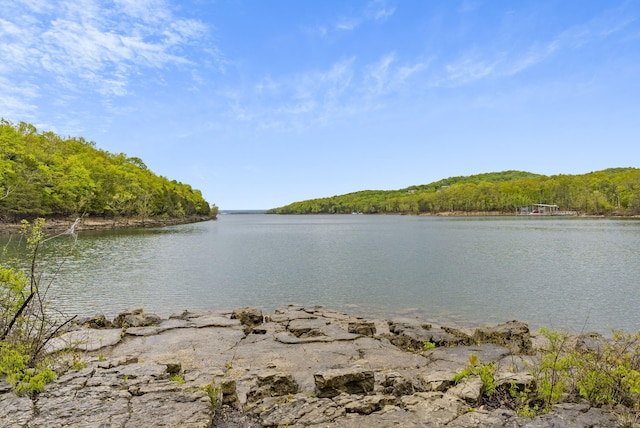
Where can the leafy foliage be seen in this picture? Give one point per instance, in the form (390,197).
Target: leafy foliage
(27,324)
(552,373)
(611,191)
(42,174)
(604,373)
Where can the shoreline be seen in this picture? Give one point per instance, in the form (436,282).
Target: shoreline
(61,224)
(296,366)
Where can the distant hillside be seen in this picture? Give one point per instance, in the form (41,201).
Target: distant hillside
(614,191)
(42,174)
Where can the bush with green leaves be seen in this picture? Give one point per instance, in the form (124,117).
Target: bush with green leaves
(606,372)
(27,323)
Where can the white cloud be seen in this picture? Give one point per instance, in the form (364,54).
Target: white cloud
(347,24)
(15,99)
(376,10)
(317,97)
(87,45)
(475,65)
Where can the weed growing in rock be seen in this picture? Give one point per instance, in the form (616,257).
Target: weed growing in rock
(486,372)
(177,378)
(77,363)
(428,345)
(215,394)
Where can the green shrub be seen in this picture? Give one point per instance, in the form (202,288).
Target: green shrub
(14,367)
(606,373)
(610,374)
(26,324)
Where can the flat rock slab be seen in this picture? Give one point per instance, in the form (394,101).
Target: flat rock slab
(85,339)
(129,396)
(326,334)
(193,348)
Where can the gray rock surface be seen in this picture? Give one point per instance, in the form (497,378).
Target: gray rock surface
(298,367)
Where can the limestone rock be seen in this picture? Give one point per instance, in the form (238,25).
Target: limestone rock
(412,335)
(273,384)
(521,380)
(97,322)
(14,410)
(364,405)
(364,328)
(84,339)
(572,415)
(300,411)
(228,391)
(356,380)
(398,385)
(515,335)
(469,390)
(248,317)
(170,409)
(136,318)
(437,408)
(307,327)
(476,418)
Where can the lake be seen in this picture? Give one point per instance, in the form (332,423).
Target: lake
(567,273)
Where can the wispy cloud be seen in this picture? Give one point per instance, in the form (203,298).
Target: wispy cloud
(375,10)
(85,45)
(316,97)
(379,10)
(475,65)
(386,76)
(289,102)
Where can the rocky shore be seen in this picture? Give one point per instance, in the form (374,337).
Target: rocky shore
(296,367)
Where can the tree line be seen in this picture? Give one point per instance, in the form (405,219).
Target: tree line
(614,191)
(43,174)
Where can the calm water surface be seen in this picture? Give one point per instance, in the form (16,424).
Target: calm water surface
(563,273)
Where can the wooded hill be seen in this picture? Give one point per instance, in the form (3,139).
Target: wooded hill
(613,191)
(42,174)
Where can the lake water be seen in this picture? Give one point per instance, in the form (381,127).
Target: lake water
(569,273)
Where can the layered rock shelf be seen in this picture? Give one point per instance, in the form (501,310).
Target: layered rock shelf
(296,367)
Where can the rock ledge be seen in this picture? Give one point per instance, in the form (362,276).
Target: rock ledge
(296,367)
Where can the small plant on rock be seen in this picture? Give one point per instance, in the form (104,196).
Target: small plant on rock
(428,345)
(486,372)
(215,394)
(178,378)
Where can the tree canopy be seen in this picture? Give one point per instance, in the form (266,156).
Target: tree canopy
(43,174)
(614,191)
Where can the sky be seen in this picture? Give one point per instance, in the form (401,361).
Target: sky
(262,103)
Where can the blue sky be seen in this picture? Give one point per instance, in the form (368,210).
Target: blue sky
(262,103)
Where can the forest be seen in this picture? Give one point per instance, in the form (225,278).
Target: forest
(45,175)
(611,192)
